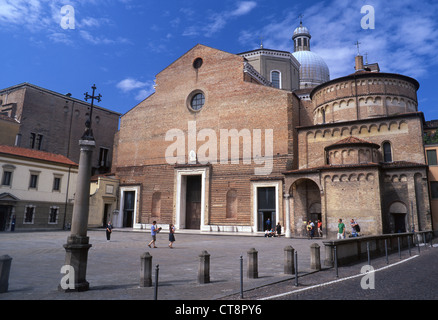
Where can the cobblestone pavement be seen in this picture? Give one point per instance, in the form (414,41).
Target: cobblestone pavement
(113,269)
(408,276)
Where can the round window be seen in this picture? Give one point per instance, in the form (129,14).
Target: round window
(197,101)
(197,63)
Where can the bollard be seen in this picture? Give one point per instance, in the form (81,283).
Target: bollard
(336,261)
(157,269)
(252,272)
(241,277)
(204,267)
(289,266)
(5,267)
(145,270)
(409,245)
(296,268)
(368,253)
(386,251)
(399,249)
(315,260)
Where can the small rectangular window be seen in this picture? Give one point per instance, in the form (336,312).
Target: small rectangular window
(7,178)
(431,157)
(56,184)
(29,214)
(53,215)
(33,181)
(434,189)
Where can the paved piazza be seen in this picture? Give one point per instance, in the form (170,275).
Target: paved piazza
(114,267)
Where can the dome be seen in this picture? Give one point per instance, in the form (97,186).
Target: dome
(301,31)
(313,70)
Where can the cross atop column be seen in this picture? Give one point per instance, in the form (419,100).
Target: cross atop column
(301,16)
(88,134)
(357,45)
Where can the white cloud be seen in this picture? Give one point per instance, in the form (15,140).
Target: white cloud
(218,20)
(130,84)
(405,38)
(243,8)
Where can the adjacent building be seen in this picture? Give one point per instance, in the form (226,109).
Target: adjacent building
(41,119)
(37,189)
(431,149)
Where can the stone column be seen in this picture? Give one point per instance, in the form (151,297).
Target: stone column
(289,266)
(5,267)
(287,226)
(204,267)
(315,259)
(253,269)
(146,270)
(78,242)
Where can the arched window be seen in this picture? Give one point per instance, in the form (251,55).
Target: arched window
(156,204)
(275,79)
(387,152)
(232,203)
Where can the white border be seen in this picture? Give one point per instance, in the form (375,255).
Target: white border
(180,211)
(262,184)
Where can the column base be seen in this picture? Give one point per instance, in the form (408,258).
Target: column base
(75,266)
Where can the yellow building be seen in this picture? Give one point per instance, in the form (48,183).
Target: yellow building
(431,150)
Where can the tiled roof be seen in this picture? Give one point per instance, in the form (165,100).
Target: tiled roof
(36,154)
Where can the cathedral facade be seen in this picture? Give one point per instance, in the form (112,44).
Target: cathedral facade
(230,141)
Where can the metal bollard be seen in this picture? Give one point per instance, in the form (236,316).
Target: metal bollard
(296,268)
(398,245)
(336,262)
(157,269)
(386,251)
(5,267)
(241,277)
(368,253)
(253,272)
(146,270)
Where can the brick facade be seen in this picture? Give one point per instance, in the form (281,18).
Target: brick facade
(330,148)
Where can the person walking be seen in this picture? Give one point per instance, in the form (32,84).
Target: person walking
(319,225)
(341,229)
(109,230)
(171,235)
(154,231)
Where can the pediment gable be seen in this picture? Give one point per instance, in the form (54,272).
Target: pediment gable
(8,197)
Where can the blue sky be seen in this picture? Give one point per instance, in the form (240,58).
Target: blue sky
(120,45)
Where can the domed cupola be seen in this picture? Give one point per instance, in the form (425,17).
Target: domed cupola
(313,71)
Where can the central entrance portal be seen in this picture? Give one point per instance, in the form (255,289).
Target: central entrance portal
(266,208)
(193,202)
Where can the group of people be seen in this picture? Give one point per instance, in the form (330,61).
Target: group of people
(310,229)
(355,229)
(271,232)
(154,231)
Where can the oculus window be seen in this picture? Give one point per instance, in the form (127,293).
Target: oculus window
(197,101)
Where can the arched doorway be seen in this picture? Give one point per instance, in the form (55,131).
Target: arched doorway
(306,197)
(398,216)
